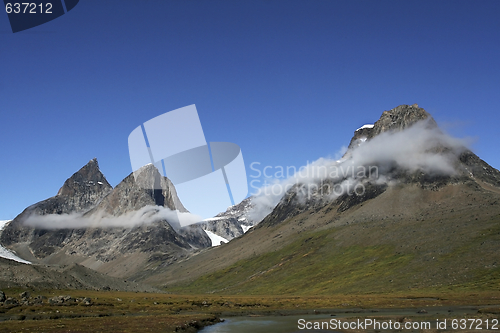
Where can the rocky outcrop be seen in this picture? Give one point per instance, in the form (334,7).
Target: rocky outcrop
(82,191)
(476,168)
(396,119)
(144,188)
(232,223)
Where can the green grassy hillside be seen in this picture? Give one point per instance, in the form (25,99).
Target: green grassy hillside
(448,245)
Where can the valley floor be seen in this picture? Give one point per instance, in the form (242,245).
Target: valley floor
(112,311)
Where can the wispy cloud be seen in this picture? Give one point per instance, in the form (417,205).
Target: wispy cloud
(420,147)
(145,215)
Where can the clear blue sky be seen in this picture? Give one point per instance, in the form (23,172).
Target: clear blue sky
(289,81)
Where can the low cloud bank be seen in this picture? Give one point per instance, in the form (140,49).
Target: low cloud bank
(421,147)
(145,215)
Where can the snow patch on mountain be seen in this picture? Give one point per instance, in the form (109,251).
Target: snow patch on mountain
(246,227)
(7,254)
(216,239)
(365,126)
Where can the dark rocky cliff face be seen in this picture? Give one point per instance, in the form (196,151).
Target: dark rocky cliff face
(475,167)
(80,193)
(82,190)
(396,119)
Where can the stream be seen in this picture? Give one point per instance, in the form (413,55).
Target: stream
(275,324)
(290,324)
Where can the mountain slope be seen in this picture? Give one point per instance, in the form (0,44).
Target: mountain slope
(446,238)
(18,275)
(115,231)
(415,229)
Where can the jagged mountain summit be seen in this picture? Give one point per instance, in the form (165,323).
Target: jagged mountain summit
(466,163)
(116,231)
(405,146)
(144,188)
(79,193)
(397,119)
(429,219)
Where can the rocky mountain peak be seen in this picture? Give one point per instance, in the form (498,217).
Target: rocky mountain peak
(466,163)
(87,196)
(88,179)
(79,194)
(145,187)
(401,117)
(431,161)
(397,119)
(232,223)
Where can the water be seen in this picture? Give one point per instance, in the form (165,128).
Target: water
(290,324)
(274,324)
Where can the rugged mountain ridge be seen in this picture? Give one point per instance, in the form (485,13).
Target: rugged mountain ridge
(469,168)
(145,187)
(79,193)
(412,230)
(232,223)
(418,231)
(397,119)
(120,250)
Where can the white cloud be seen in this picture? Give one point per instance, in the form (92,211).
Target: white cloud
(420,147)
(145,215)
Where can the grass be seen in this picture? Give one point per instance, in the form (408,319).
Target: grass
(392,263)
(109,312)
(313,264)
(428,256)
(157,323)
(144,312)
(314,271)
